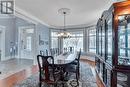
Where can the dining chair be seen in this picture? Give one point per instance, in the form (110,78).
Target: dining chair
(43,63)
(41,52)
(59,52)
(77,59)
(55,51)
(51,52)
(74,67)
(47,52)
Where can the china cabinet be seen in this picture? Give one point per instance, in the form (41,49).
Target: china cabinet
(113,45)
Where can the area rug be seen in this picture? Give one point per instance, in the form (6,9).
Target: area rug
(86,79)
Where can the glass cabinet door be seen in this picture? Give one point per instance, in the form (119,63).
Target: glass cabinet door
(100,40)
(103,42)
(109,42)
(124,40)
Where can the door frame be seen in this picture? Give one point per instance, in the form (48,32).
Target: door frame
(2,29)
(19,39)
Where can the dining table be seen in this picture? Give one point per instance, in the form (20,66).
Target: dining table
(61,61)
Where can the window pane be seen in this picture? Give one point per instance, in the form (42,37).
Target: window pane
(4,7)
(54,43)
(54,39)
(92,40)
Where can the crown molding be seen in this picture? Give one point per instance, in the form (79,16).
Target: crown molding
(25,15)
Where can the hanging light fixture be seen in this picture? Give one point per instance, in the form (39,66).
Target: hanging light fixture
(64,34)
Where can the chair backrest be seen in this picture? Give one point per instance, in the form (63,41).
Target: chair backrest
(42,52)
(45,61)
(54,50)
(51,52)
(71,49)
(46,52)
(79,54)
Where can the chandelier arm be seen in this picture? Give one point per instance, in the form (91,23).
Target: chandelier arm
(64,20)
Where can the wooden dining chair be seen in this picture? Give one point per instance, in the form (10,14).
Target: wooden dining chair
(42,52)
(77,59)
(58,51)
(43,63)
(47,52)
(51,52)
(74,67)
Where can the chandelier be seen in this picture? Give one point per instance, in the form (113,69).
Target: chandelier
(64,34)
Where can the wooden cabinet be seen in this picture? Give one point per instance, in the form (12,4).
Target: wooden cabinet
(113,45)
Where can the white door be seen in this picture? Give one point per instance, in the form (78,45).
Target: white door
(26,43)
(2,43)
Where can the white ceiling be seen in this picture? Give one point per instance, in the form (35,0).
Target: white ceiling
(83,12)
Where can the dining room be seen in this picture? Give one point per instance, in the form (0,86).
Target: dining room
(64,43)
(41,56)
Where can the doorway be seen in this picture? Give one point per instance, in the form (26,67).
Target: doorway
(2,43)
(26,43)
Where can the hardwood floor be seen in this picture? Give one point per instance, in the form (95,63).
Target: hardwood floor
(14,71)
(11,80)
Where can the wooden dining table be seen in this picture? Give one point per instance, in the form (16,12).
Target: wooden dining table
(61,61)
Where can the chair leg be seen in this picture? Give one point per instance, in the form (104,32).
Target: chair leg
(40,84)
(77,79)
(78,73)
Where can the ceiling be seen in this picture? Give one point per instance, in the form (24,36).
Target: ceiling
(83,12)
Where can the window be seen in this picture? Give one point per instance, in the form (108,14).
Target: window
(92,40)
(7,7)
(75,41)
(54,39)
